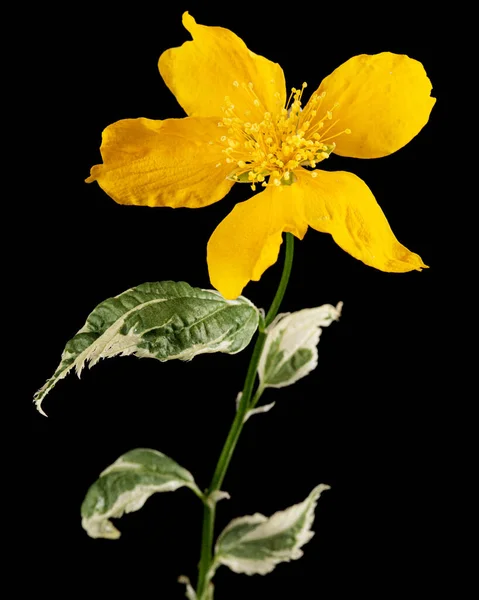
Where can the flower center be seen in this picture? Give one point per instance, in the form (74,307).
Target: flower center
(275,146)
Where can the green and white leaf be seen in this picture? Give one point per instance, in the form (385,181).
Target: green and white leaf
(264,408)
(290,350)
(126,485)
(190,592)
(253,411)
(255,544)
(164,320)
(215,496)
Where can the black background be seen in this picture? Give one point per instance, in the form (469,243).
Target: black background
(366,421)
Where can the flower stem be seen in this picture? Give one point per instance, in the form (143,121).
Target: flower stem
(245,404)
(283,284)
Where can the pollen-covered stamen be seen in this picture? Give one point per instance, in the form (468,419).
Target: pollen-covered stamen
(268,151)
(347,131)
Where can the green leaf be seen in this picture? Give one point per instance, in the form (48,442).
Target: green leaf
(163,320)
(255,544)
(290,349)
(126,485)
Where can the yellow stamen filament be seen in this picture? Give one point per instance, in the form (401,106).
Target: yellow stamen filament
(346,131)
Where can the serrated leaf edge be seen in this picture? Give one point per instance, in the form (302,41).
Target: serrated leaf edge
(104,345)
(252,567)
(311,340)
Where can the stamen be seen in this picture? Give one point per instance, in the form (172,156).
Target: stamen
(328,128)
(267,150)
(346,131)
(290,96)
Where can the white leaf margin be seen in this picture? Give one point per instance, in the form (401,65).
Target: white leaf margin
(266,527)
(190,592)
(214,497)
(110,343)
(253,411)
(98,525)
(258,410)
(301,329)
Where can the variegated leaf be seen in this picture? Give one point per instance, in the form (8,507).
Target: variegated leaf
(264,408)
(126,485)
(290,350)
(255,544)
(214,497)
(253,411)
(165,320)
(190,592)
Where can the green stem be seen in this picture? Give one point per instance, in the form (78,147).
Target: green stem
(283,284)
(256,397)
(245,404)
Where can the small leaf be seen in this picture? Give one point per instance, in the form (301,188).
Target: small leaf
(214,497)
(253,411)
(255,544)
(290,350)
(258,410)
(126,485)
(163,320)
(190,592)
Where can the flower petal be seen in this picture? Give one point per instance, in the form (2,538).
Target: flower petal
(247,241)
(163,163)
(384,99)
(202,72)
(341,204)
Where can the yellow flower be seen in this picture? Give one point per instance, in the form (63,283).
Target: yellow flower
(241,127)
